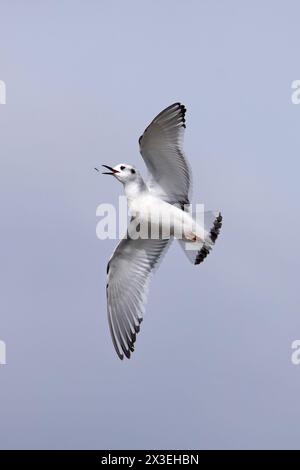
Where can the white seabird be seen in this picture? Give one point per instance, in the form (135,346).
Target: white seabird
(161,199)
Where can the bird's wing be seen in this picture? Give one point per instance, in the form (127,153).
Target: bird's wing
(161,149)
(128,273)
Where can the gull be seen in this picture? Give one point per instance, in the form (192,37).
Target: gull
(162,202)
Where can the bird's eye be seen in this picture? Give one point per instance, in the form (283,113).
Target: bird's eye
(132,171)
(122,167)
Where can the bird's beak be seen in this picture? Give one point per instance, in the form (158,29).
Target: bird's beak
(111,172)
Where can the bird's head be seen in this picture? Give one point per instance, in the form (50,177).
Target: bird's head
(123,172)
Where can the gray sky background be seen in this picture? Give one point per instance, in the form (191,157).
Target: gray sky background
(212,366)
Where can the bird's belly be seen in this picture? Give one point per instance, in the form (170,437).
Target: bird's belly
(162,217)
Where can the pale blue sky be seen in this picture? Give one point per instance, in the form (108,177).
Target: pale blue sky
(212,364)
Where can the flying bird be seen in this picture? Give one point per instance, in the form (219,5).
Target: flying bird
(163,202)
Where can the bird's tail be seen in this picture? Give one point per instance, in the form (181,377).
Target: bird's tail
(196,251)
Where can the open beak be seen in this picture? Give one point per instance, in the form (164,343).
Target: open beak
(111,172)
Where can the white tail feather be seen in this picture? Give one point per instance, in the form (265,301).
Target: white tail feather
(197,251)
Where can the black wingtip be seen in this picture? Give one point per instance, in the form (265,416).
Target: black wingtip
(183,111)
(214,233)
(202,254)
(173,107)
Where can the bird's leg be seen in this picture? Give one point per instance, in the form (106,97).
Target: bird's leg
(191,237)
